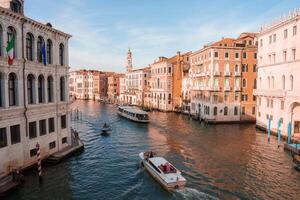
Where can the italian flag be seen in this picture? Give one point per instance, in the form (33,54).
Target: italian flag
(10,50)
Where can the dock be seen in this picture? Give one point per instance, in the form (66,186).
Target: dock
(294,148)
(7,184)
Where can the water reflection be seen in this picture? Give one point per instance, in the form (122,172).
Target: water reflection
(219,162)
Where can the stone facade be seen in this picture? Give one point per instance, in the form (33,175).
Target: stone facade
(278,92)
(34,105)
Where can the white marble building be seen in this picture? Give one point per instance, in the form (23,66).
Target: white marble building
(34,103)
(278,92)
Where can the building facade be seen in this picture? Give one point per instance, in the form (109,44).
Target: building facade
(113,91)
(278,92)
(223,77)
(34,101)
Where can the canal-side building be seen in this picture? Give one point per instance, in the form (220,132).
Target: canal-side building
(113,83)
(34,101)
(278,92)
(223,77)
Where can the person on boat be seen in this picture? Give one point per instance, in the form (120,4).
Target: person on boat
(151,154)
(168,167)
(105,125)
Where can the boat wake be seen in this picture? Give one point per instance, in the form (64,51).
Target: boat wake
(191,193)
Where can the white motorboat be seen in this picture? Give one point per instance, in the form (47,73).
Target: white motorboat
(162,171)
(133,114)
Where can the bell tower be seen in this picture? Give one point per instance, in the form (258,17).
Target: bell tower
(129,60)
(16,6)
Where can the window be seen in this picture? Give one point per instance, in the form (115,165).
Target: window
(61,54)
(12,89)
(254,68)
(294,30)
(284,55)
(50,89)
(63,121)
(216,54)
(29,46)
(1,40)
(12,36)
(15,6)
(226,110)
(283,82)
(294,54)
(236,96)
(291,82)
(271,103)
(244,97)
(244,55)
(42,126)
(51,125)
(274,38)
(170,70)
(285,33)
(215,111)
(62,89)
(282,105)
(3,138)
(15,134)
(30,89)
(64,140)
(40,46)
(52,145)
(41,90)
(244,82)
(261,43)
(243,110)
(255,55)
(33,152)
(32,130)
(255,84)
(49,51)
(253,110)
(237,55)
(244,68)
(226,55)
(270,39)
(236,110)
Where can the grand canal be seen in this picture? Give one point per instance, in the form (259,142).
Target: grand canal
(219,162)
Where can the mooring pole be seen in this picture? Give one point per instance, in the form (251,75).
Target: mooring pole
(279,124)
(289,132)
(38,154)
(269,128)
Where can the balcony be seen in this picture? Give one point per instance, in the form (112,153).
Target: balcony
(217,73)
(227,88)
(237,88)
(213,88)
(237,73)
(227,73)
(270,93)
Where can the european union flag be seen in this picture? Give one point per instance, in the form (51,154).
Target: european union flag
(44,59)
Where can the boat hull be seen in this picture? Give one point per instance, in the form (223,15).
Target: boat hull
(132,118)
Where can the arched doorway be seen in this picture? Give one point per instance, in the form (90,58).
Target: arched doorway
(295,118)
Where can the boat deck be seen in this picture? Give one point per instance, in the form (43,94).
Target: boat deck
(293,148)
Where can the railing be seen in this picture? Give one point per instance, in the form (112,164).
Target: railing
(217,73)
(227,88)
(237,73)
(272,93)
(227,73)
(237,88)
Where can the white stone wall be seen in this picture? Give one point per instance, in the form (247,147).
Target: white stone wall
(18,155)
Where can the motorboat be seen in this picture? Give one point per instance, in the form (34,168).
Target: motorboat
(106,129)
(133,114)
(162,171)
(296,161)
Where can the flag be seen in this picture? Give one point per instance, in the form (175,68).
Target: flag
(44,59)
(10,50)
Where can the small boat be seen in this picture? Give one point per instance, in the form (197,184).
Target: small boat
(296,161)
(106,129)
(133,114)
(162,171)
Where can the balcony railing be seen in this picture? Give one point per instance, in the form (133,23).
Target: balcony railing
(217,73)
(237,73)
(227,88)
(270,93)
(227,74)
(237,88)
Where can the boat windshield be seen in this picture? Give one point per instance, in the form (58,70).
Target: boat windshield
(142,117)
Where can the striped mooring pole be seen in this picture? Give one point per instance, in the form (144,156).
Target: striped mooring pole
(38,154)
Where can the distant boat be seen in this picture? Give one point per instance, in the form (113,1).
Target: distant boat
(106,129)
(162,171)
(133,114)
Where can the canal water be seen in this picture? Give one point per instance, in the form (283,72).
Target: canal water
(219,162)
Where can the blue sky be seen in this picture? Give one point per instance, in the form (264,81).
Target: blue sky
(104,29)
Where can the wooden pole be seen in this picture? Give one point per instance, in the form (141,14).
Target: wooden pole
(38,154)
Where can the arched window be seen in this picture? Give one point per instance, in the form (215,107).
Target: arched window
(49,51)
(273,82)
(16,6)
(30,89)
(291,82)
(12,36)
(244,82)
(50,88)
(12,89)
(40,44)
(1,40)
(226,110)
(268,82)
(283,82)
(255,83)
(29,46)
(260,83)
(236,68)
(236,110)
(158,83)
(41,89)
(62,89)
(61,54)
(215,110)
(2,94)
